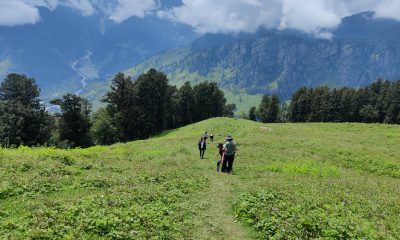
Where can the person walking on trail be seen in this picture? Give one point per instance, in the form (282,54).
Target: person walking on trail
(211,137)
(202,147)
(220,147)
(229,154)
(205,136)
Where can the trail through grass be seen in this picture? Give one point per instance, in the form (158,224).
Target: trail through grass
(217,214)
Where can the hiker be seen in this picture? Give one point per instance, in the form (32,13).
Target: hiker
(220,147)
(205,136)
(211,137)
(229,154)
(202,147)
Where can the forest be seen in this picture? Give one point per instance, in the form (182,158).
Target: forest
(144,107)
(378,102)
(133,110)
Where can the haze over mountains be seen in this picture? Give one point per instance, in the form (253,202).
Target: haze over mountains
(67,51)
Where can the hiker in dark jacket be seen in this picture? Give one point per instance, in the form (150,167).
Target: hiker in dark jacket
(202,147)
(229,154)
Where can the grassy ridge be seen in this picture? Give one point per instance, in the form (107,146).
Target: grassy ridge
(330,181)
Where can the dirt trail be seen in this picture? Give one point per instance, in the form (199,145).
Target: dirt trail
(217,214)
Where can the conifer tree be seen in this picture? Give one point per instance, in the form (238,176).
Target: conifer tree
(273,109)
(74,121)
(263,109)
(120,106)
(252,114)
(23,119)
(187,104)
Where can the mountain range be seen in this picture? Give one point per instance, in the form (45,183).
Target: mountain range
(65,50)
(83,56)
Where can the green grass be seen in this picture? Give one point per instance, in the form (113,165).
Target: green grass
(304,181)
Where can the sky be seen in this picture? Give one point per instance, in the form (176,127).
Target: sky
(317,17)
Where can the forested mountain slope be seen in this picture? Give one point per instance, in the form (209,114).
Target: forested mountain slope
(362,49)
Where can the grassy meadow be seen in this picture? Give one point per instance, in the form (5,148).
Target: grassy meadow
(290,181)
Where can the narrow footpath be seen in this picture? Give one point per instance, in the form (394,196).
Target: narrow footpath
(217,217)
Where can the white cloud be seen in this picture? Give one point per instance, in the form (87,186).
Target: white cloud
(16,12)
(84,6)
(388,9)
(51,4)
(20,12)
(312,16)
(125,9)
(317,17)
(225,15)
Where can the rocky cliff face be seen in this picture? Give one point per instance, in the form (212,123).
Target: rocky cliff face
(362,50)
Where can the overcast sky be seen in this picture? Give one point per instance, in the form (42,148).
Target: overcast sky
(317,17)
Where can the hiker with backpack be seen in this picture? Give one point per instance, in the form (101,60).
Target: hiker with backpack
(202,147)
(229,154)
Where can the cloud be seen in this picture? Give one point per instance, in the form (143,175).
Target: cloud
(84,6)
(14,13)
(125,9)
(209,16)
(51,4)
(313,16)
(20,12)
(388,9)
(318,17)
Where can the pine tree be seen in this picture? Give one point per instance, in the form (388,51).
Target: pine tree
(104,129)
(120,106)
(187,104)
(252,114)
(173,116)
(393,104)
(74,123)
(210,101)
(263,109)
(283,115)
(346,105)
(300,107)
(23,120)
(150,101)
(273,109)
(20,88)
(229,110)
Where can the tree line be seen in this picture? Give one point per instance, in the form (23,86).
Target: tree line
(378,102)
(141,108)
(134,109)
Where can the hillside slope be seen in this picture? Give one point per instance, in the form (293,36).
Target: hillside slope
(290,180)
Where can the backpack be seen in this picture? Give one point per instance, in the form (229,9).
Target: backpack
(230,148)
